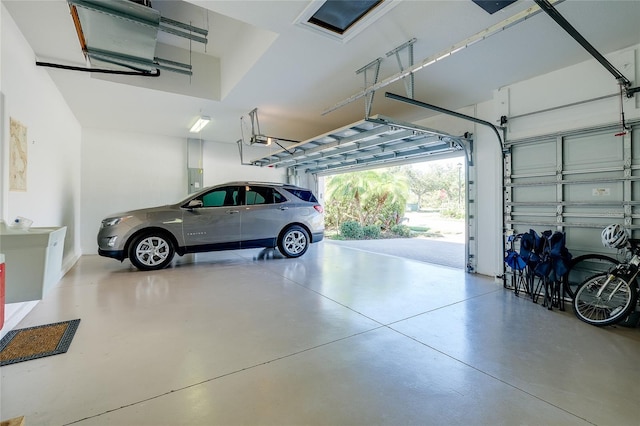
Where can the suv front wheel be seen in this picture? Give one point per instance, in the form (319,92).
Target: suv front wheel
(151,251)
(294,241)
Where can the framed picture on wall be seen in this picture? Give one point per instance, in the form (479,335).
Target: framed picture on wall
(17,156)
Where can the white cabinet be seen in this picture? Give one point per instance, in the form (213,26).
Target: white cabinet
(33,261)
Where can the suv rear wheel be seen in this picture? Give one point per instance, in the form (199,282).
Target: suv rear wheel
(151,251)
(294,241)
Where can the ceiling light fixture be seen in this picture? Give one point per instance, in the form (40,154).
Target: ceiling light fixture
(199,125)
(261,139)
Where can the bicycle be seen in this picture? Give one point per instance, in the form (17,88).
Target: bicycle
(583,267)
(608,298)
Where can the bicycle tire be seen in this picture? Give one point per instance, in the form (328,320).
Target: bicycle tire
(583,267)
(607,308)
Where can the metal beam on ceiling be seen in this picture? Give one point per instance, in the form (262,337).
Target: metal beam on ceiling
(372,141)
(624,82)
(482,35)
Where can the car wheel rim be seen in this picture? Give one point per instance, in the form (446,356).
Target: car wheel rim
(295,242)
(152,251)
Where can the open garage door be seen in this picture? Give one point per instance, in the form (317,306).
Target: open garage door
(371,142)
(435,211)
(577,182)
(380,141)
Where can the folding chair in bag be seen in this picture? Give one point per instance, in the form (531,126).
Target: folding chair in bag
(553,264)
(517,265)
(560,259)
(529,252)
(544,270)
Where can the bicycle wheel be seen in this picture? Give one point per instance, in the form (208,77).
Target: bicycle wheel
(583,267)
(600,306)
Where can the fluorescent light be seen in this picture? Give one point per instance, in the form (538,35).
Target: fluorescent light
(199,125)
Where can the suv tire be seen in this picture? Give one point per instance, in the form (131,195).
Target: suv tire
(151,251)
(294,241)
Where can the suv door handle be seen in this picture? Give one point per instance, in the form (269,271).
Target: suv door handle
(284,208)
(233,211)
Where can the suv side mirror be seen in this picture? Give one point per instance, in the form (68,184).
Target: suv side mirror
(194,204)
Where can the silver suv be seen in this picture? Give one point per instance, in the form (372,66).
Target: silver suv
(236,215)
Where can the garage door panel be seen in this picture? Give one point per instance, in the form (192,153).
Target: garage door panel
(615,173)
(535,194)
(635,191)
(534,212)
(594,192)
(537,158)
(587,240)
(579,152)
(606,211)
(577,182)
(635,147)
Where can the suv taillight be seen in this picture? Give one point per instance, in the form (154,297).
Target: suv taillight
(319,208)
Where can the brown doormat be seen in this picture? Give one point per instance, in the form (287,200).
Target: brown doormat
(37,342)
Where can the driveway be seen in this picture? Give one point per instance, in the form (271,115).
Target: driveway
(447,253)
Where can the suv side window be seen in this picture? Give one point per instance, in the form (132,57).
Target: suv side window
(303,194)
(222,197)
(259,195)
(278,197)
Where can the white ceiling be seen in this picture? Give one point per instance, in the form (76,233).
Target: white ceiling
(258,57)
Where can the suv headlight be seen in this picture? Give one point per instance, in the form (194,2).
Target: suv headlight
(114,221)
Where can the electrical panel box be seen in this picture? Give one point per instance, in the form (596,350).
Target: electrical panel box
(195,180)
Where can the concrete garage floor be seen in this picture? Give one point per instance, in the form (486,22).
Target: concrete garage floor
(447,253)
(446,249)
(336,337)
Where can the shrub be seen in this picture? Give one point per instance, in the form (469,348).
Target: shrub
(401,230)
(371,232)
(454,213)
(352,230)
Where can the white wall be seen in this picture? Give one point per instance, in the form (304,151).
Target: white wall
(52,197)
(221,163)
(124,171)
(572,85)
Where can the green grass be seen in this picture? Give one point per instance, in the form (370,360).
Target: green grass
(416,231)
(419,228)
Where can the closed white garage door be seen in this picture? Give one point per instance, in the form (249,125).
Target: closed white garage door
(577,182)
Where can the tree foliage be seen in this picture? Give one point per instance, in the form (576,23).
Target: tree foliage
(441,185)
(379,197)
(369,197)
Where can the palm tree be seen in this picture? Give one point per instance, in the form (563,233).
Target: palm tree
(369,196)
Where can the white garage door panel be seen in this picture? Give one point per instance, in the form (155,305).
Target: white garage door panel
(594,192)
(539,158)
(584,240)
(577,182)
(535,194)
(635,147)
(581,151)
